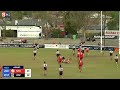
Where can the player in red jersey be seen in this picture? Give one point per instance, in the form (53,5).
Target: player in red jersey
(87,50)
(67,61)
(79,50)
(81,56)
(60,59)
(80,62)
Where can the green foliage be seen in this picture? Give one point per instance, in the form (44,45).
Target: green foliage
(56,33)
(113,24)
(70,28)
(9,33)
(16,14)
(76,20)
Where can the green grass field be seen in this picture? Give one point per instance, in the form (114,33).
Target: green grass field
(96,65)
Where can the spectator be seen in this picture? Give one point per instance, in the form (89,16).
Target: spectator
(93,40)
(99,44)
(66,34)
(88,39)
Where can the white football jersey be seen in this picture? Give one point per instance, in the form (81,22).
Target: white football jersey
(44,65)
(116,57)
(57,52)
(111,51)
(60,69)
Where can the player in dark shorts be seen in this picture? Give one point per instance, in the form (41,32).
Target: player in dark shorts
(45,68)
(57,53)
(35,45)
(116,60)
(34,53)
(73,50)
(61,72)
(111,54)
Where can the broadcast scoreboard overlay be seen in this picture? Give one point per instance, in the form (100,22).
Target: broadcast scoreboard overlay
(15,71)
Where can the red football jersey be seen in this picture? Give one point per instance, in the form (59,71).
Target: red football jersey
(87,49)
(60,59)
(81,55)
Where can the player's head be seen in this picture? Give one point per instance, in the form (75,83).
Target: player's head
(44,62)
(116,55)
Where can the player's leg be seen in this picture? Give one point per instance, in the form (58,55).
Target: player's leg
(78,65)
(111,57)
(34,56)
(87,53)
(80,69)
(61,76)
(73,52)
(117,63)
(45,72)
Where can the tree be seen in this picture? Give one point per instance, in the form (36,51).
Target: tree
(46,16)
(76,20)
(113,24)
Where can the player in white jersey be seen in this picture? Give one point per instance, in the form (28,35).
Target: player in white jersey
(116,59)
(111,53)
(34,53)
(57,53)
(61,72)
(45,68)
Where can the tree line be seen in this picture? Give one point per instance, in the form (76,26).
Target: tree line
(73,20)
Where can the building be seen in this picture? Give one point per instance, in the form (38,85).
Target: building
(25,28)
